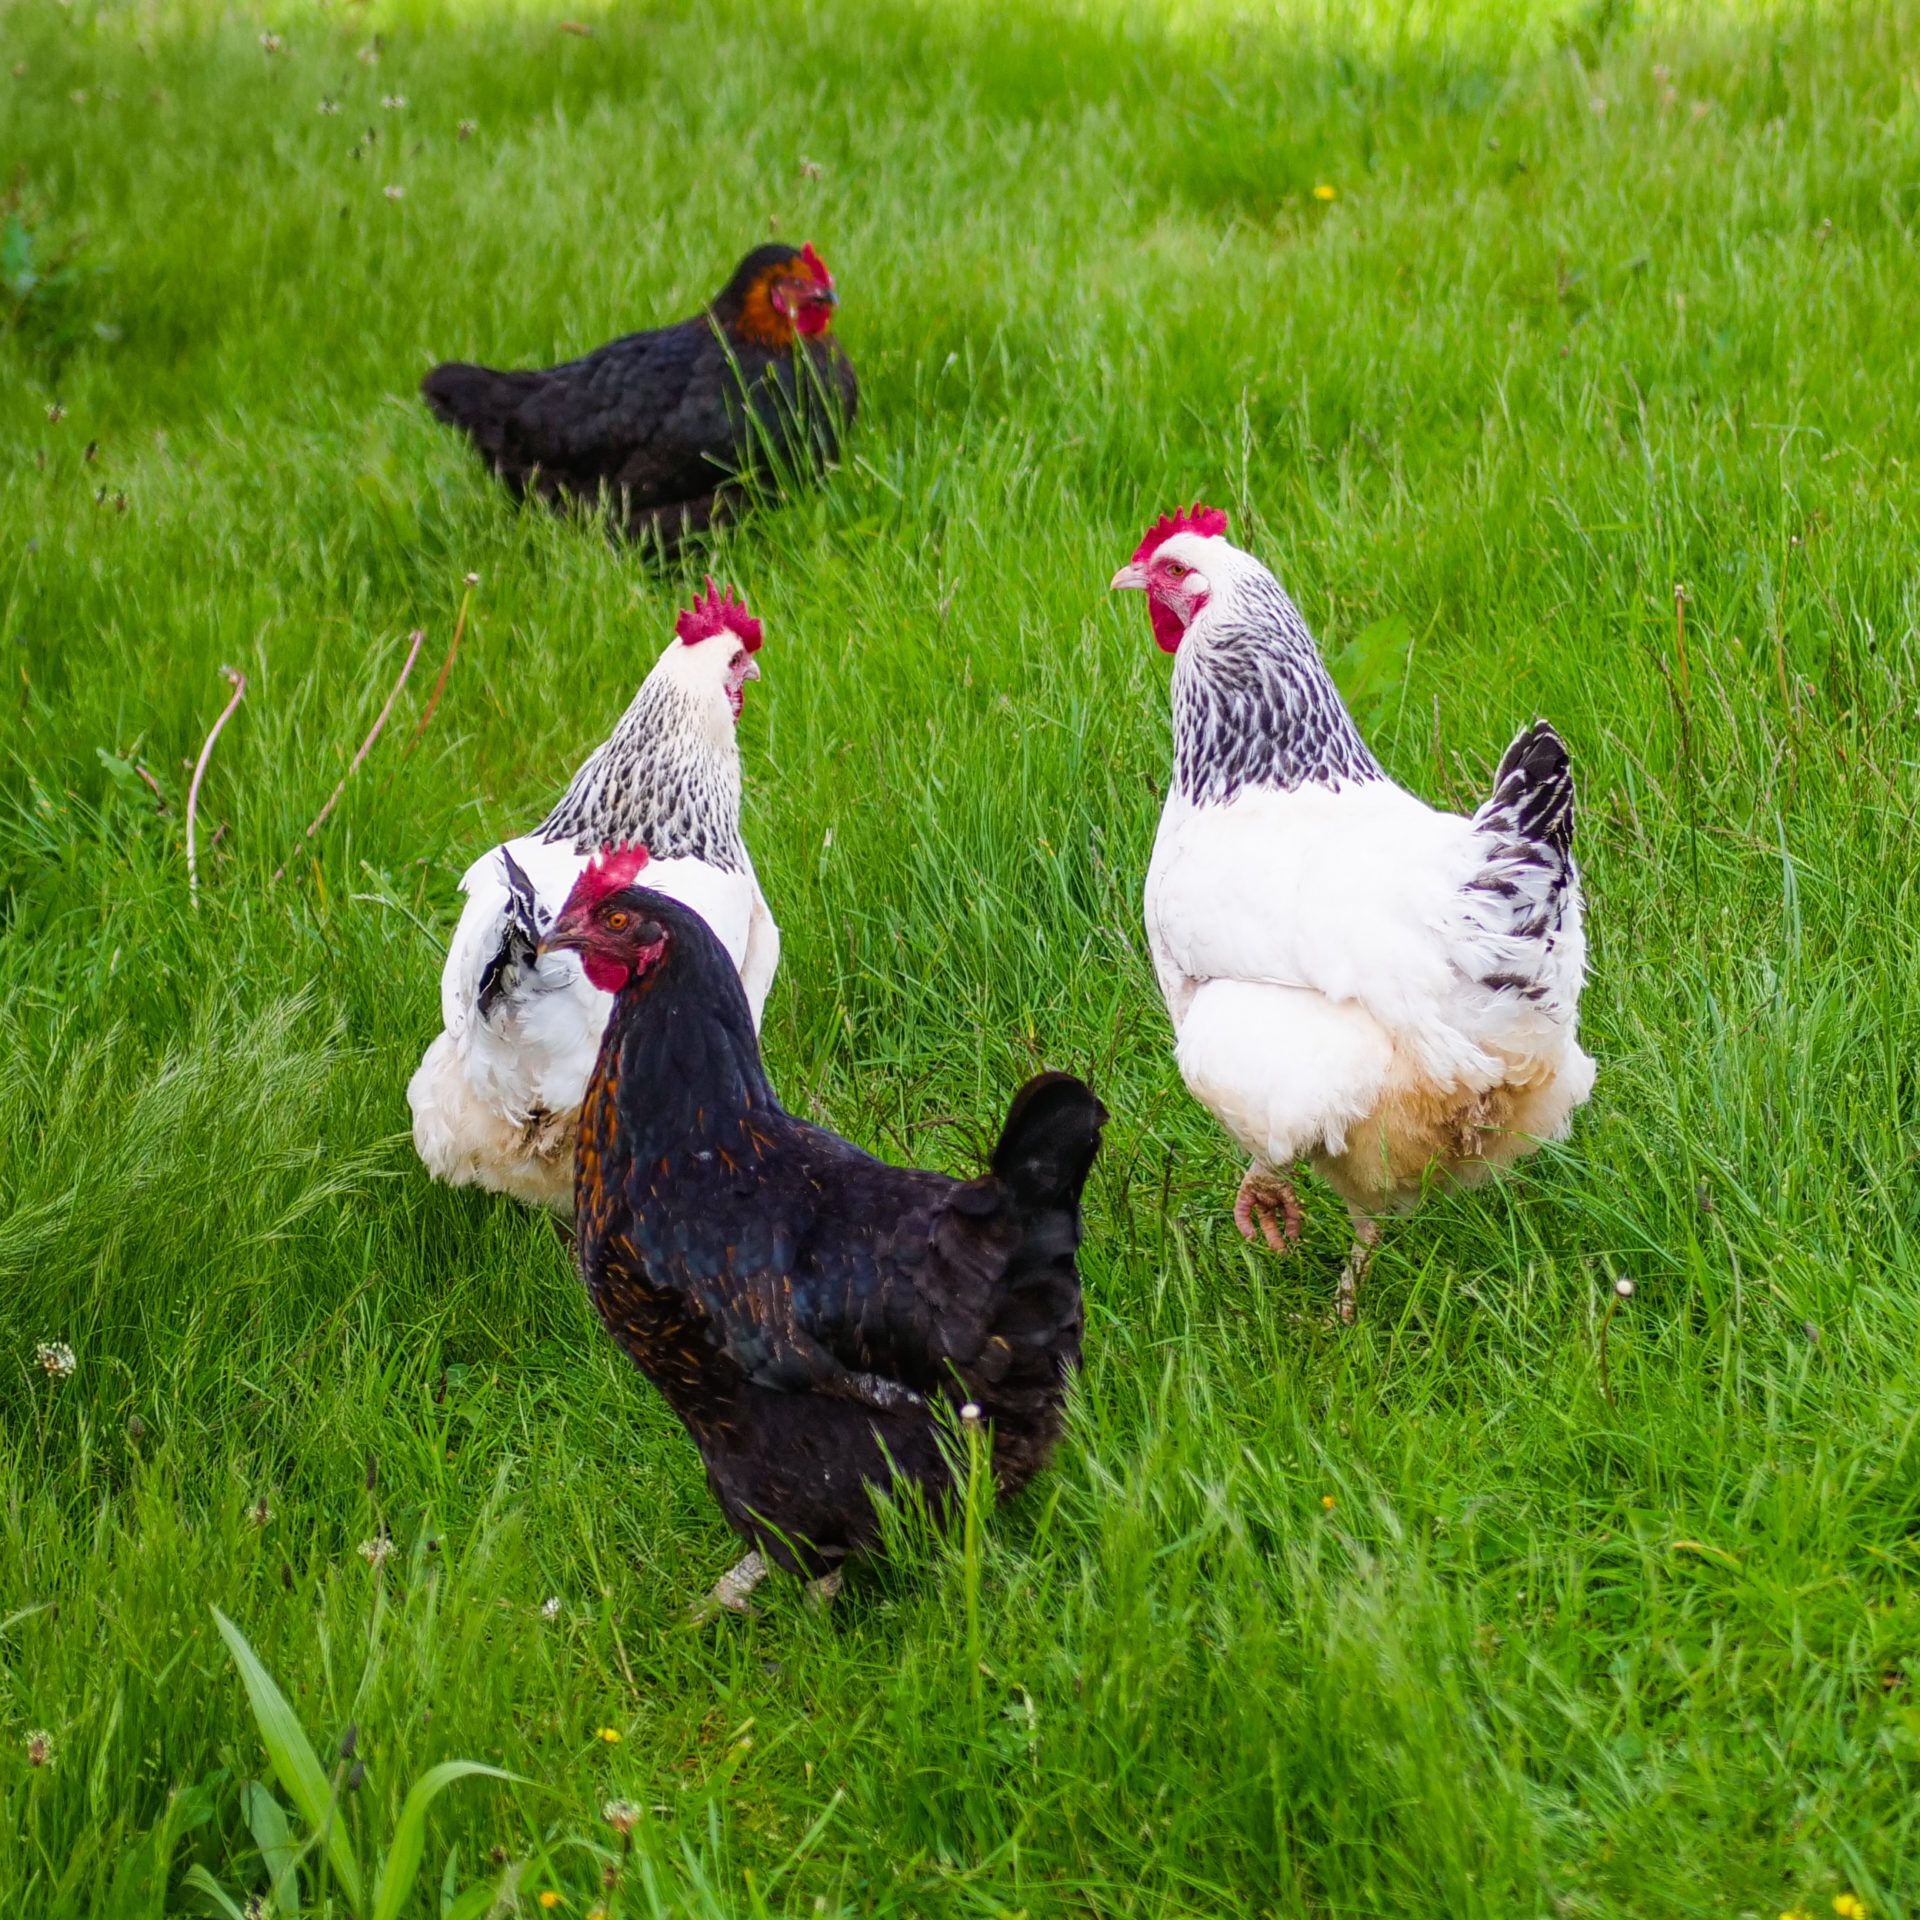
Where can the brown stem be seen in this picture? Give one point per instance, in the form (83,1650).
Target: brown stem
(373,734)
(446,667)
(239,681)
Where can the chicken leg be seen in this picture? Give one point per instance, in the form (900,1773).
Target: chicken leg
(1366,1236)
(732,1588)
(1265,1195)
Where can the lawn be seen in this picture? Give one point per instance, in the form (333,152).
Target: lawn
(1559,360)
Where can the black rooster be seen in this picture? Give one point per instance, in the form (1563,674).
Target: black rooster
(802,1305)
(661,423)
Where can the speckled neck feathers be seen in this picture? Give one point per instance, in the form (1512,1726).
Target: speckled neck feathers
(660,781)
(1253,706)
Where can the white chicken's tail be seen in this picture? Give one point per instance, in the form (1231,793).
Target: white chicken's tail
(1524,944)
(1532,796)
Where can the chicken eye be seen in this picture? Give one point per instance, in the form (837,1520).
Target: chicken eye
(617,921)
(1176,571)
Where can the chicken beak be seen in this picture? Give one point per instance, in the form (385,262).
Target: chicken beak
(750,671)
(1133,574)
(568,932)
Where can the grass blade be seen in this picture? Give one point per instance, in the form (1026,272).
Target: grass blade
(295,1765)
(267,1822)
(201,1881)
(410,1836)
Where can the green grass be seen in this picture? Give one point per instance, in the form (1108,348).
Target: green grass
(1404,1620)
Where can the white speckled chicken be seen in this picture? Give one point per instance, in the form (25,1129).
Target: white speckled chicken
(1385,991)
(496,1100)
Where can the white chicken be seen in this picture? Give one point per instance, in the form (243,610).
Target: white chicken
(1356,980)
(496,1100)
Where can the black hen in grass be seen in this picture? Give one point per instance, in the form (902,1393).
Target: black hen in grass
(661,425)
(803,1306)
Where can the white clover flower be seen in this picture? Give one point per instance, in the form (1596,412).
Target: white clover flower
(393,193)
(550,1607)
(375,1550)
(621,1815)
(393,100)
(55,1359)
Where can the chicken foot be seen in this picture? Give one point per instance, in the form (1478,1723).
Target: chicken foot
(1366,1236)
(732,1588)
(1265,1195)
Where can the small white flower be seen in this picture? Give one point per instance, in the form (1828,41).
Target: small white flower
(40,1748)
(473,579)
(55,1359)
(393,193)
(550,1607)
(1624,1288)
(375,1550)
(393,100)
(621,1815)
(970,1413)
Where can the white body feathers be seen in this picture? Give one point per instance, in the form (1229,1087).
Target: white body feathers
(1323,956)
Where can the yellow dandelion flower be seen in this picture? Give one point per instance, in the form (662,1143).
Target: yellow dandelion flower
(1849,1906)
(1326,1500)
(1325,192)
(1796,1913)
(611,1735)
(549,1898)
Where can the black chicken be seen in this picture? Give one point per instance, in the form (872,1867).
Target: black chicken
(662,423)
(802,1305)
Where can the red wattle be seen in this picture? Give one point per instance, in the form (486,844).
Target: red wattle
(608,975)
(1168,627)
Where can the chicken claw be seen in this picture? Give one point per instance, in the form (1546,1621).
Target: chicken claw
(732,1588)
(822,1593)
(1265,1194)
(1366,1236)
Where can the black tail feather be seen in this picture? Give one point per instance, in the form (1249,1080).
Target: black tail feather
(1533,791)
(478,399)
(1047,1146)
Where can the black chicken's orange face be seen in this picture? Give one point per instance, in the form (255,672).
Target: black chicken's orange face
(617,940)
(789,297)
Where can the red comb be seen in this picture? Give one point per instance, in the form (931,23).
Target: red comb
(1204,520)
(815,265)
(715,611)
(607,872)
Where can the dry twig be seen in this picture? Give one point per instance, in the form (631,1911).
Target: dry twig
(366,745)
(446,665)
(239,681)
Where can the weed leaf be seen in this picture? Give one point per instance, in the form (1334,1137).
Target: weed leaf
(295,1764)
(410,1836)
